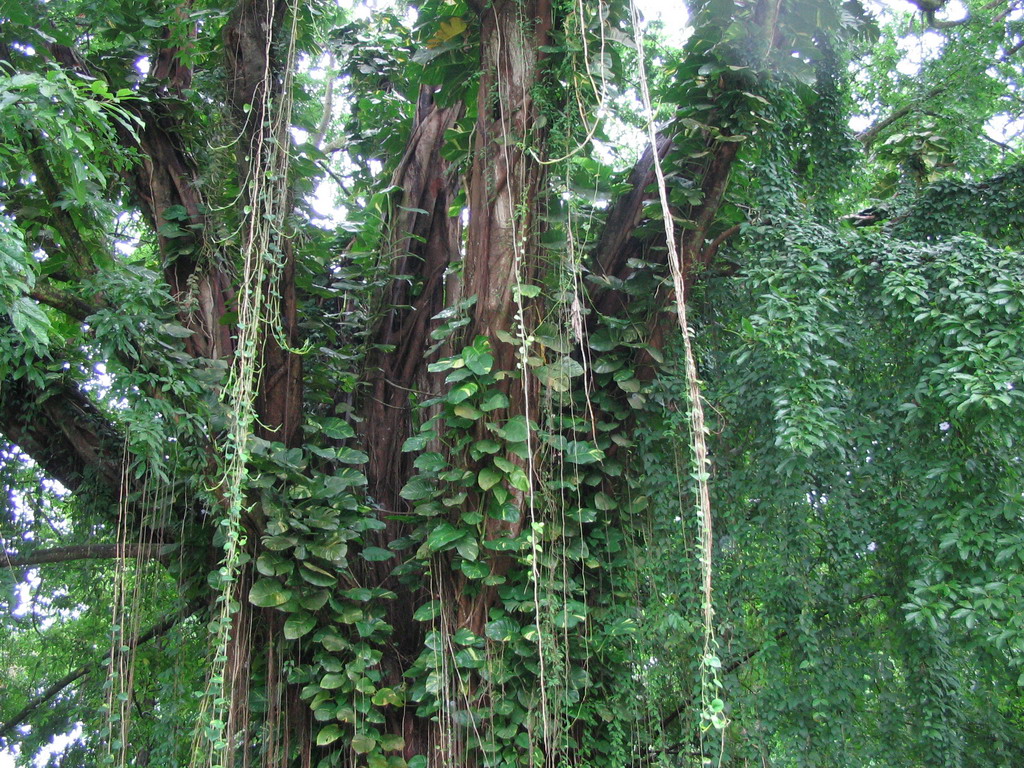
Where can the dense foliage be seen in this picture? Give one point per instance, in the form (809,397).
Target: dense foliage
(415,477)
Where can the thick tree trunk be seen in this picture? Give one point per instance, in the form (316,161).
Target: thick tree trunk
(505,194)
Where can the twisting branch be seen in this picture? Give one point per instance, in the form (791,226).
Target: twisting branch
(325,119)
(156,630)
(1013,50)
(71,305)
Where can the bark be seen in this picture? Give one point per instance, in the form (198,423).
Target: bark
(60,428)
(80,552)
(618,244)
(505,192)
(166,181)
(868,136)
(252,38)
(421,248)
(507,195)
(166,186)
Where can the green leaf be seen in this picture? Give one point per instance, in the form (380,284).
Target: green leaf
(515,430)
(483,447)
(446,364)
(316,575)
(469,548)
(580,452)
(175,330)
(443,535)
(298,624)
(526,291)
(430,462)
(269,593)
(570,614)
(629,385)
(502,630)
(488,477)
(329,734)
(428,611)
(467,411)
(494,401)
(463,392)
(607,365)
(417,442)
(559,374)
(314,601)
(352,456)
(507,512)
(27,317)
(376,554)
(271,564)
(362,743)
(333,680)
(418,488)
(385,697)
(331,641)
(518,479)
(475,570)
(391,742)
(478,359)
(464,636)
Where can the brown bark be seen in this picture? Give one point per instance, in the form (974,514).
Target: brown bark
(63,432)
(868,136)
(165,180)
(507,194)
(168,64)
(252,37)
(618,243)
(505,187)
(421,248)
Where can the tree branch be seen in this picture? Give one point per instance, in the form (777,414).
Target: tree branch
(1013,50)
(62,430)
(727,670)
(155,631)
(80,552)
(714,245)
(867,137)
(72,306)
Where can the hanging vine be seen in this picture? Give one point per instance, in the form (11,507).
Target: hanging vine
(266,194)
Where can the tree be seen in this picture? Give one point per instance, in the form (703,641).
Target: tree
(432,486)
